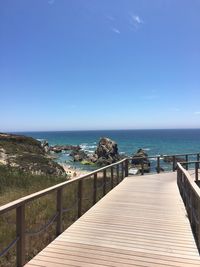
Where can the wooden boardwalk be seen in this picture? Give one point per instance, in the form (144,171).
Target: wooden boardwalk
(141,222)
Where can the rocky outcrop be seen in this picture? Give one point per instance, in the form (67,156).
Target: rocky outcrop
(169,159)
(28,155)
(140,159)
(78,155)
(59,149)
(45,145)
(105,154)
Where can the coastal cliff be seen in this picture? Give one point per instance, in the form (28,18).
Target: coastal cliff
(25,154)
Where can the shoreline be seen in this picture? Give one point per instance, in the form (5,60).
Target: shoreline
(73,172)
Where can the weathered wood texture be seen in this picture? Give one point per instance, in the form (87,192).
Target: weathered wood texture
(141,222)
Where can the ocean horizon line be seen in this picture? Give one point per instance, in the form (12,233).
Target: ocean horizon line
(98,130)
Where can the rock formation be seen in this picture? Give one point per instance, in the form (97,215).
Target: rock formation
(105,154)
(58,149)
(28,155)
(45,145)
(141,158)
(169,159)
(78,155)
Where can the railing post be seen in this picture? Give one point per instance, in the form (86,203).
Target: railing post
(104,182)
(117,173)
(80,187)
(174,164)
(198,158)
(126,168)
(196,171)
(95,189)
(198,218)
(186,159)
(158,164)
(111,173)
(142,171)
(20,229)
(122,172)
(60,211)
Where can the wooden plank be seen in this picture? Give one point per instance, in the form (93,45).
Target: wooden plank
(141,222)
(71,246)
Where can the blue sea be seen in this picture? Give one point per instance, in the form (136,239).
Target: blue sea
(154,142)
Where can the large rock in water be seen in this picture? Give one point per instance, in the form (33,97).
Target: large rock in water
(59,149)
(141,158)
(78,155)
(107,152)
(169,159)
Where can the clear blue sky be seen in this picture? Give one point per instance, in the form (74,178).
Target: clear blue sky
(99,64)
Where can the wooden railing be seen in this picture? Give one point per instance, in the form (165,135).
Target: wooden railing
(106,173)
(20,204)
(190,192)
(161,162)
(195,166)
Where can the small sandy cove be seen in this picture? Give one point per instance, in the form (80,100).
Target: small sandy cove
(73,172)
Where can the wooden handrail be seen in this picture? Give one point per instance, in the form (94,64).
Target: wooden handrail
(162,157)
(189,162)
(170,155)
(20,204)
(190,193)
(196,167)
(16,203)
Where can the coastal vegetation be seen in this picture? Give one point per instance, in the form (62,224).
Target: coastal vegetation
(40,211)
(26,166)
(24,169)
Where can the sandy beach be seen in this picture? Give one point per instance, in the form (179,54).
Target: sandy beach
(73,172)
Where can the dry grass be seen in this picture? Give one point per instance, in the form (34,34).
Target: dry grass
(39,211)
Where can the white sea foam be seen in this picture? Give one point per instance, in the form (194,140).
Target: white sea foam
(147,149)
(88,147)
(92,146)
(40,139)
(83,146)
(90,151)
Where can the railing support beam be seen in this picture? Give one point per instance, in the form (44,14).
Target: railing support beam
(20,229)
(158,164)
(198,158)
(95,189)
(196,171)
(117,174)
(112,179)
(142,170)
(186,159)
(60,211)
(174,164)
(126,168)
(104,182)
(80,192)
